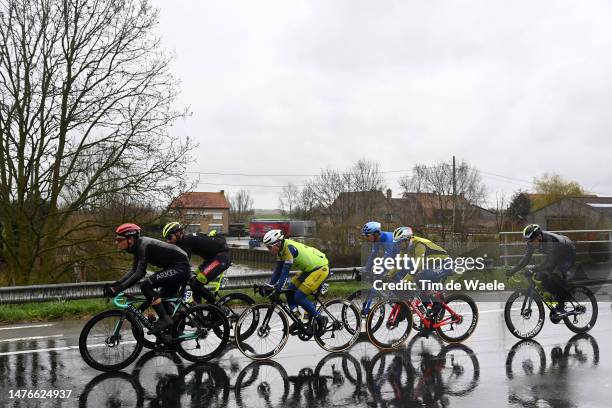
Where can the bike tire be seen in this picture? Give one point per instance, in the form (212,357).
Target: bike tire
(255,314)
(376,336)
(207,319)
(448,300)
(233,304)
(593,303)
(87,356)
(341,323)
(516,332)
(356,299)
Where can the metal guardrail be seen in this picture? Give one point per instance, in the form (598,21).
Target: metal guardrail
(92,290)
(507,244)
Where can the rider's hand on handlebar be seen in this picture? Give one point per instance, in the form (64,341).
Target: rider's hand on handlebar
(109,291)
(266,290)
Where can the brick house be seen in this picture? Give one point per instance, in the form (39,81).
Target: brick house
(202,211)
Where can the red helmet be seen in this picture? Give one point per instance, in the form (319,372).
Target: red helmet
(128,230)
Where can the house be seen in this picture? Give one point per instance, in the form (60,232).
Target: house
(202,211)
(588,212)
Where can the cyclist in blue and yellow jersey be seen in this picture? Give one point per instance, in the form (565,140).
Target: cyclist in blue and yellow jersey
(381,241)
(313,266)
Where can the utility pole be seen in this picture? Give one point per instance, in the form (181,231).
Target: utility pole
(454,195)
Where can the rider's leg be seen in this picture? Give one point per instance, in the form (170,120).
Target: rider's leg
(173,278)
(208,271)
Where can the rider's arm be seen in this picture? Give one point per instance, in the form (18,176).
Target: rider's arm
(139,269)
(370,263)
(277,272)
(523,262)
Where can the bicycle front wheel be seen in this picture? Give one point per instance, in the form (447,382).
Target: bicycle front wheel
(459,319)
(343,325)
(270,335)
(111,340)
(583,309)
(396,325)
(524,315)
(233,305)
(203,333)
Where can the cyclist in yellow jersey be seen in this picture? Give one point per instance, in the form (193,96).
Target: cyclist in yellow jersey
(311,263)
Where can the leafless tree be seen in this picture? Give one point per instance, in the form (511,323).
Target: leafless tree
(436,182)
(241,206)
(288,199)
(85,104)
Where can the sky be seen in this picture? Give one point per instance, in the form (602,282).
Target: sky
(516,89)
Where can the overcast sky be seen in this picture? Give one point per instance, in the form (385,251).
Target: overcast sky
(289,87)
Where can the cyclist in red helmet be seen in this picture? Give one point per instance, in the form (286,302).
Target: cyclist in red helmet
(171,259)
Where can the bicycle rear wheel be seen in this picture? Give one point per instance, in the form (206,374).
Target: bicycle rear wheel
(524,315)
(270,335)
(111,340)
(396,327)
(584,304)
(203,333)
(460,318)
(343,326)
(233,304)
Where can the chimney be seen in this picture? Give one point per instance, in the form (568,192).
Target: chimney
(388,194)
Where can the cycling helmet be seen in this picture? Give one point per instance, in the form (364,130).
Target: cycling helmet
(402,233)
(273,237)
(371,228)
(128,230)
(171,228)
(531,231)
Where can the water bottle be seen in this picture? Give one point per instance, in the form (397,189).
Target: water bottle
(187,297)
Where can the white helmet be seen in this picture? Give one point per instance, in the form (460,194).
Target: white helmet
(402,233)
(272,237)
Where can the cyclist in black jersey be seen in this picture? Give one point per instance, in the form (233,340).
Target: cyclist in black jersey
(173,261)
(211,248)
(560,254)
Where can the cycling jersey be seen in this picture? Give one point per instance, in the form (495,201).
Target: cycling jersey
(422,250)
(559,251)
(202,245)
(152,251)
(292,253)
(385,243)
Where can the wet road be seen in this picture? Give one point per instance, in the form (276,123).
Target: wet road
(492,368)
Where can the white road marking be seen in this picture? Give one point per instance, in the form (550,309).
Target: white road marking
(12,353)
(25,327)
(31,338)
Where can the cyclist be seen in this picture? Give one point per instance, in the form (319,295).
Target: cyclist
(429,263)
(313,266)
(211,248)
(381,241)
(173,261)
(560,254)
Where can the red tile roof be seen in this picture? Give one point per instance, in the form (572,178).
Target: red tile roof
(198,199)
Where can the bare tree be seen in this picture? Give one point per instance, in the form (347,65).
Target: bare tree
(501,210)
(85,103)
(365,175)
(288,199)
(436,182)
(241,206)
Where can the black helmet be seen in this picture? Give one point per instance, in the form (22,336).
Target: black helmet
(531,231)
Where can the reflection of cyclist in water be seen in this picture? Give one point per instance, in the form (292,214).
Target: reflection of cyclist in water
(560,254)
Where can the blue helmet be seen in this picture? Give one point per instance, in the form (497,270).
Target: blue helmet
(371,228)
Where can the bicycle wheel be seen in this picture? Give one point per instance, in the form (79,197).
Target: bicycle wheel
(339,378)
(581,350)
(203,332)
(233,305)
(461,369)
(270,335)
(459,319)
(390,379)
(343,326)
(358,297)
(112,390)
(526,358)
(111,340)
(523,321)
(584,304)
(262,384)
(397,324)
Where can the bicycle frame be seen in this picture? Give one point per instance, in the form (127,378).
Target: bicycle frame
(535,290)
(126,303)
(427,322)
